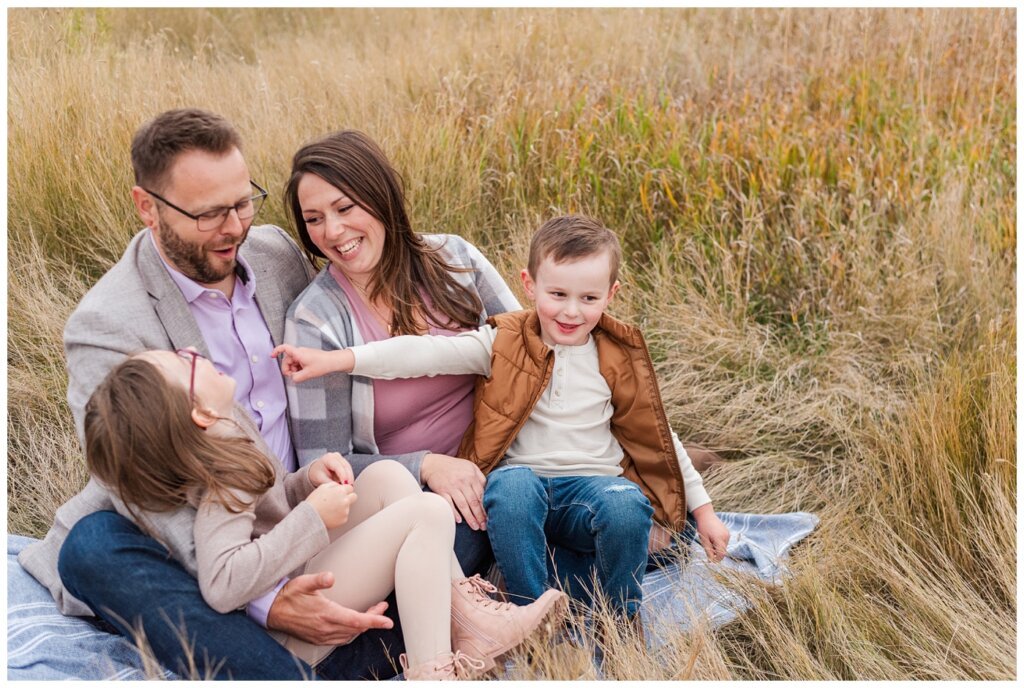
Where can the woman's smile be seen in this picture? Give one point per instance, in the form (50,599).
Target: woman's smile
(349,247)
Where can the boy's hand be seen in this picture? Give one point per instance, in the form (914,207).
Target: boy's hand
(714,536)
(302,363)
(331,467)
(332,502)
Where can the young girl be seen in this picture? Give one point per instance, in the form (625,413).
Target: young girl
(162,434)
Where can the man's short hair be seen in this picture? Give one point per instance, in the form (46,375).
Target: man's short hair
(159,141)
(571,237)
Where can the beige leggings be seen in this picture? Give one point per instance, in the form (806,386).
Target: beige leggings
(399,538)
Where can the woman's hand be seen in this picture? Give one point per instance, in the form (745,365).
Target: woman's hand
(331,467)
(461,483)
(332,502)
(302,363)
(714,536)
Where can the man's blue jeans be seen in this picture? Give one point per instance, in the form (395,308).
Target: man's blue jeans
(593,524)
(124,575)
(129,580)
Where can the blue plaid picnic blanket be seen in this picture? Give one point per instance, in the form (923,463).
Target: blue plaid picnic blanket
(43,644)
(676,597)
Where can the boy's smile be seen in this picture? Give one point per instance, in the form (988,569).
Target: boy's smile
(570,297)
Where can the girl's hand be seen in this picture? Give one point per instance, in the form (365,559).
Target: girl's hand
(302,363)
(331,467)
(714,536)
(332,502)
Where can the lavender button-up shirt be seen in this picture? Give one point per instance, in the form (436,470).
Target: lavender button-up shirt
(239,343)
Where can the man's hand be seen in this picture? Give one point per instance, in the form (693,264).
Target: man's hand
(702,458)
(301,610)
(714,536)
(302,363)
(332,466)
(461,483)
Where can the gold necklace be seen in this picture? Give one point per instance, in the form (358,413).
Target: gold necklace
(374,308)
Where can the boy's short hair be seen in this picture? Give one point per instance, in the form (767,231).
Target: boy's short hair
(572,237)
(159,141)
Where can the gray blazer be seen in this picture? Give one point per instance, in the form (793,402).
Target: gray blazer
(135,307)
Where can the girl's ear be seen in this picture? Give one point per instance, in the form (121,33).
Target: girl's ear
(204,418)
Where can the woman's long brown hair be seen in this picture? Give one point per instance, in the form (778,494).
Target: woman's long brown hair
(141,442)
(353,163)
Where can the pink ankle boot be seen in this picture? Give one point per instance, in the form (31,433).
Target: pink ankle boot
(450,666)
(486,629)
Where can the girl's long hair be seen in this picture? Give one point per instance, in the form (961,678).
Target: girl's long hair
(141,442)
(353,163)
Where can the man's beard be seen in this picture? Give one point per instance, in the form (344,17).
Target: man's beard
(192,260)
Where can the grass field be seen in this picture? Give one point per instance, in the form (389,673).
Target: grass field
(818,210)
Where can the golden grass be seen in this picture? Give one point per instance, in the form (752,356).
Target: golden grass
(818,211)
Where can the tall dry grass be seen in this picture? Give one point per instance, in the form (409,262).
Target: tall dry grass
(818,212)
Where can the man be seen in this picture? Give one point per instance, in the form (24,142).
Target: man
(199,275)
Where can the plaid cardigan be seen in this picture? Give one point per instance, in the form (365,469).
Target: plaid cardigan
(335,412)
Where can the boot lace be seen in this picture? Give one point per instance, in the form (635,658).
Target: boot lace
(481,589)
(465,666)
(458,663)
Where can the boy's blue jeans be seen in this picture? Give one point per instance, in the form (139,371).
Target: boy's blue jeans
(593,524)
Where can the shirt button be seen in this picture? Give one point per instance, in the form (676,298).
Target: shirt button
(558,392)
(259,404)
(214,294)
(560,371)
(255,358)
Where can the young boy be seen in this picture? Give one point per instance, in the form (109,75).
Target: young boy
(568,424)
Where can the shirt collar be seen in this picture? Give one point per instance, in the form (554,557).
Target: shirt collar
(576,350)
(192,290)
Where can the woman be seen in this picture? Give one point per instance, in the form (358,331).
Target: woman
(382,279)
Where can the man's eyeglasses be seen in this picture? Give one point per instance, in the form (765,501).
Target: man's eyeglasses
(191,356)
(215,219)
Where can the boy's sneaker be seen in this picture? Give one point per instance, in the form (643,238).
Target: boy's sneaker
(486,629)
